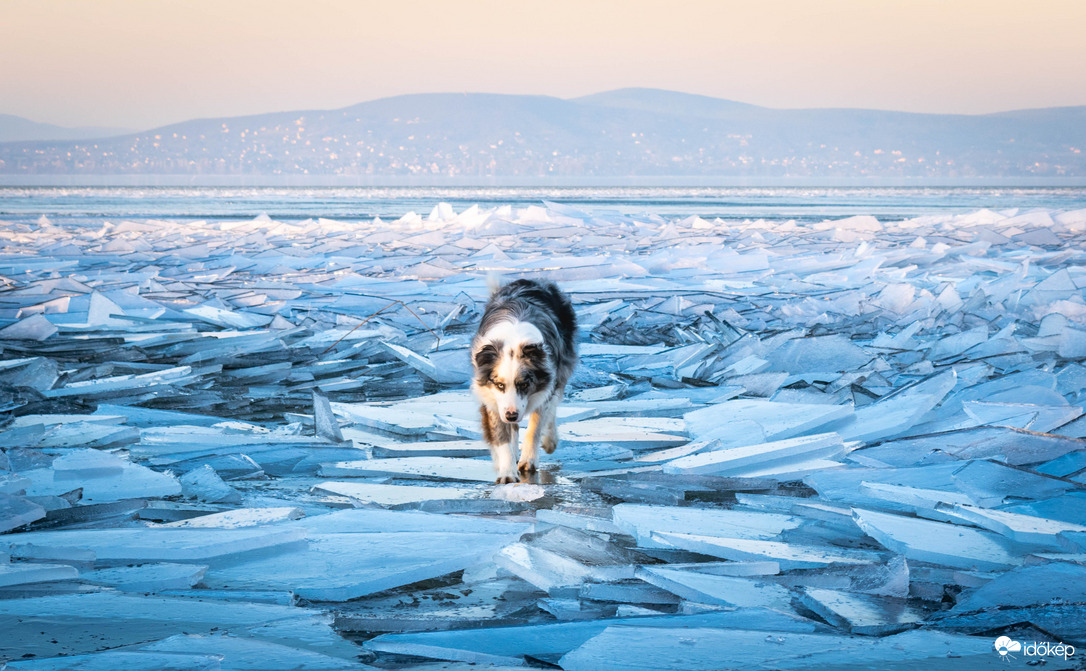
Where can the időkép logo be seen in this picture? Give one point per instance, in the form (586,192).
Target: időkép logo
(1006,646)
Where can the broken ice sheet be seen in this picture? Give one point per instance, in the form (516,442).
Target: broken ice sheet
(891,578)
(777,421)
(990,484)
(243,654)
(128,660)
(1062,622)
(121,384)
(863,613)
(111,547)
(23,573)
(227,466)
(433,448)
(1056,582)
(1009,445)
(83,623)
(147,577)
(578,520)
(632,432)
(240,517)
(718,589)
(427,367)
(1034,417)
(34,372)
(632,592)
(15,511)
(895,414)
(559,559)
(936,542)
(443,468)
(518,492)
(405,422)
(549,571)
(565,610)
(847,485)
(752,459)
(374,521)
(923,502)
(787,555)
(822,354)
(228,318)
(389,495)
(326,423)
(510,645)
(478,597)
(34,327)
(1025,529)
(1067,465)
(720,649)
(102,476)
(344,566)
(75,433)
(204,483)
(1070,507)
(643,522)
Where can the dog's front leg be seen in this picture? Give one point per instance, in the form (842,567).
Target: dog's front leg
(529,458)
(507,472)
(501,437)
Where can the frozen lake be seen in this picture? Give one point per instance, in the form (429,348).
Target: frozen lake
(804,204)
(822,427)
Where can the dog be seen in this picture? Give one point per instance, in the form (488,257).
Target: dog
(523,355)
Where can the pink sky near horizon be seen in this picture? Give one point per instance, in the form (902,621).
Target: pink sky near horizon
(138,64)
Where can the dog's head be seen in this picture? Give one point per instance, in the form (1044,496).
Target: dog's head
(509,372)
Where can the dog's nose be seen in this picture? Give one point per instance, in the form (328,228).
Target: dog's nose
(511,415)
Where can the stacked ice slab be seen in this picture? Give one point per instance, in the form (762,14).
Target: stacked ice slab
(853,442)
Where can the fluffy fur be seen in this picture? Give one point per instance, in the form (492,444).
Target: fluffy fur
(523,354)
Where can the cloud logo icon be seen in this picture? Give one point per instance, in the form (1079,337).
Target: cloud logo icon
(1005,645)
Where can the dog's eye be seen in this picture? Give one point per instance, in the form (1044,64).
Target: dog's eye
(500,386)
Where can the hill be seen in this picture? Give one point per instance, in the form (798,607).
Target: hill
(17,129)
(629,132)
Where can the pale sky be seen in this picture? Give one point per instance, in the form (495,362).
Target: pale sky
(146,63)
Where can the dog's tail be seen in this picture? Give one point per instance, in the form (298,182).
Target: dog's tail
(493,282)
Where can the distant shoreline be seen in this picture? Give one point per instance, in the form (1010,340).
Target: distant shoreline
(690,181)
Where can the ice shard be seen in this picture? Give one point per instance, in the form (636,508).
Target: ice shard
(722,590)
(863,613)
(147,577)
(344,566)
(754,459)
(111,547)
(936,542)
(645,521)
(786,555)
(510,645)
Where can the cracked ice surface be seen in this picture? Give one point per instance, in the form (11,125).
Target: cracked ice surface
(850,442)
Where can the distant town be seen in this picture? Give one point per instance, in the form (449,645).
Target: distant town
(623,133)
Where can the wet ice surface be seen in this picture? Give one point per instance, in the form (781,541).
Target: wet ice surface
(853,442)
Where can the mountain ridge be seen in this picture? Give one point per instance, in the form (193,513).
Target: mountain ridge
(20,129)
(631,132)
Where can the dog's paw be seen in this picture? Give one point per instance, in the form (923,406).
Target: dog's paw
(526,466)
(506,478)
(550,444)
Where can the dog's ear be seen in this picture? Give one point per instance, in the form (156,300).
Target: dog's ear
(486,356)
(533,353)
